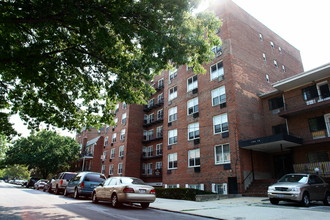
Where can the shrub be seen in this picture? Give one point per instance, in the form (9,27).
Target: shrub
(179,193)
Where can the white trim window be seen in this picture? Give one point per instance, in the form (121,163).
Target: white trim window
(121,151)
(159,165)
(216,70)
(173,93)
(159,132)
(160,98)
(172,74)
(112,153)
(275,64)
(149,168)
(161,83)
(194,158)
(124,105)
(122,134)
(222,154)
(327,123)
(220,123)
(220,188)
(123,119)
(159,149)
(192,106)
(217,50)
(120,168)
(173,114)
(111,169)
(148,135)
(218,96)
(171,186)
(148,151)
(117,108)
(103,169)
(172,136)
(114,138)
(193,131)
(116,121)
(195,186)
(264,56)
(192,83)
(151,103)
(172,161)
(160,114)
(144,169)
(106,141)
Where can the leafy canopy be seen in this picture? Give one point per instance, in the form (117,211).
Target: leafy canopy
(67,62)
(45,152)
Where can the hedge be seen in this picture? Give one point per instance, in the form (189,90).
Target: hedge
(179,193)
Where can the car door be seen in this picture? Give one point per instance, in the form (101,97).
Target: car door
(109,189)
(101,190)
(315,188)
(73,183)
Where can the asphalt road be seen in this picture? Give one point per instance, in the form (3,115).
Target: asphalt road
(17,202)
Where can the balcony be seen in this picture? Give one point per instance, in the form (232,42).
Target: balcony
(324,168)
(153,174)
(149,107)
(159,87)
(86,155)
(152,155)
(149,138)
(303,107)
(147,123)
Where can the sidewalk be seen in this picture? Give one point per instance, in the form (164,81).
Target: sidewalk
(242,208)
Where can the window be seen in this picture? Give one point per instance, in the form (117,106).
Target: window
(323,90)
(192,83)
(172,186)
(218,96)
(272,44)
(161,83)
(124,105)
(193,131)
(172,161)
(222,154)
(264,57)
(194,158)
(112,153)
(148,151)
(315,157)
(310,93)
(123,119)
(261,37)
(317,127)
(159,132)
(144,169)
(120,168)
(216,70)
(117,108)
(192,106)
(280,49)
(220,123)
(217,50)
(106,141)
(159,149)
(149,168)
(151,103)
(122,134)
(220,188)
(275,103)
(275,63)
(173,93)
(172,136)
(103,169)
(267,78)
(148,135)
(160,114)
(195,186)
(159,165)
(149,118)
(121,151)
(172,74)
(283,68)
(172,114)
(116,121)
(111,169)
(160,98)
(114,136)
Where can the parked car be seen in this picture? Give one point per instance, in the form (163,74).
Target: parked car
(300,187)
(30,182)
(61,181)
(83,184)
(120,190)
(40,184)
(48,186)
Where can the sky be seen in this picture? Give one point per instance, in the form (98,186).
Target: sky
(302,23)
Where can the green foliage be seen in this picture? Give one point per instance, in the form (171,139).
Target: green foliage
(3,146)
(15,172)
(46,152)
(179,193)
(67,63)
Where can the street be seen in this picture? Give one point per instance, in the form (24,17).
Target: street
(17,202)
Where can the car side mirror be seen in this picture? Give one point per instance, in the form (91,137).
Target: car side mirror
(101,184)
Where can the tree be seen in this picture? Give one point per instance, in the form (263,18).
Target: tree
(67,63)
(15,172)
(46,152)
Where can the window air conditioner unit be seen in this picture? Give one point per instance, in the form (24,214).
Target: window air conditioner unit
(225,134)
(197,169)
(223,105)
(227,166)
(111,144)
(169,124)
(196,141)
(311,102)
(169,102)
(113,128)
(169,171)
(169,147)
(196,115)
(194,91)
(220,78)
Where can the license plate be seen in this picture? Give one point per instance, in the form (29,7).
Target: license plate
(279,196)
(142,191)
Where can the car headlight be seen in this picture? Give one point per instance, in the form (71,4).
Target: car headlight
(295,189)
(271,188)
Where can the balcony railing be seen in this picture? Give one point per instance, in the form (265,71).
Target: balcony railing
(151,122)
(155,173)
(324,168)
(152,154)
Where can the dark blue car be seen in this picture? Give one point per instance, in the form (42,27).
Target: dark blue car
(83,184)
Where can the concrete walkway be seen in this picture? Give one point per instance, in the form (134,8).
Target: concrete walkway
(243,208)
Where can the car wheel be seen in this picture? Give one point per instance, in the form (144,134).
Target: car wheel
(145,205)
(305,200)
(274,201)
(94,198)
(65,193)
(326,200)
(76,194)
(114,201)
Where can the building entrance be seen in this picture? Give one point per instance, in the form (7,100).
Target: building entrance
(283,164)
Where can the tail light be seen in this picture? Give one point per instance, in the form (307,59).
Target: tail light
(61,182)
(128,190)
(153,191)
(82,185)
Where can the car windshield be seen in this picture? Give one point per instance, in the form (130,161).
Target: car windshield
(294,178)
(131,181)
(69,176)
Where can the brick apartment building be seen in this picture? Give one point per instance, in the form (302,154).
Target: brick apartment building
(202,131)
